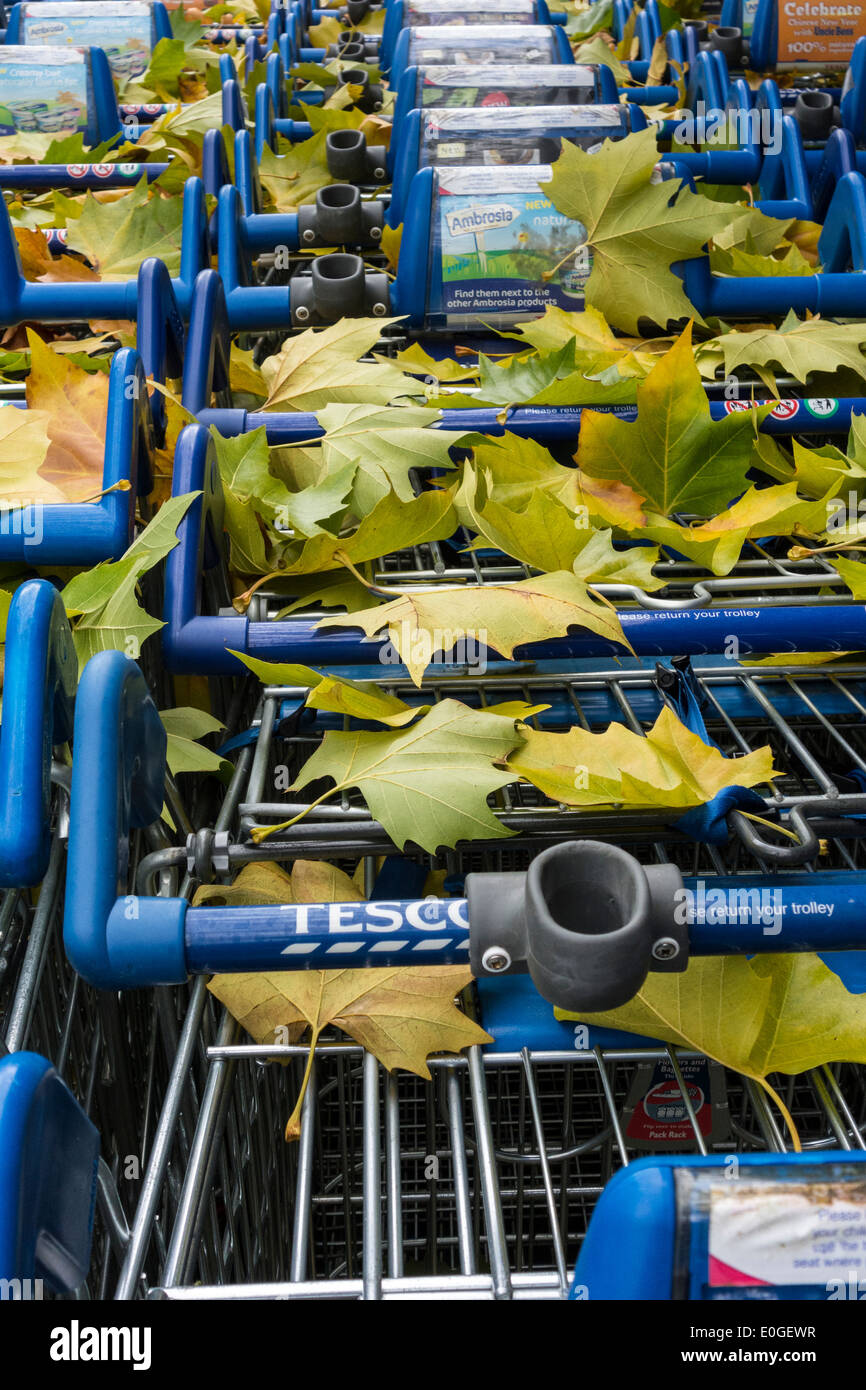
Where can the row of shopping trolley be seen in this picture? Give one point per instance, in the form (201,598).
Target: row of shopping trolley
(142,1150)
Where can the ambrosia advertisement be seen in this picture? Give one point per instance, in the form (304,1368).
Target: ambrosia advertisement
(818,31)
(504,249)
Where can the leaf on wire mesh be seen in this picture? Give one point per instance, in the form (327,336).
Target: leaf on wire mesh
(669,767)
(401,1015)
(498,616)
(773,1013)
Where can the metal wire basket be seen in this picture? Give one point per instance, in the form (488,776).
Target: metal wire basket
(480,1183)
(812,718)
(477,1184)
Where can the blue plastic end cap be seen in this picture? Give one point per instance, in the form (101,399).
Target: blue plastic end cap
(145,942)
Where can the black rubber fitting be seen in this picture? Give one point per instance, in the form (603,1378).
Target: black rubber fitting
(699,28)
(728,40)
(814,114)
(339,218)
(358,77)
(338,214)
(346,154)
(372,94)
(350,160)
(356,10)
(338,287)
(586,920)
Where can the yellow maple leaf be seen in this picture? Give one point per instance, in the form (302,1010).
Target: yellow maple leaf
(77,404)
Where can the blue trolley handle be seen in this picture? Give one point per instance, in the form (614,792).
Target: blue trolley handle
(206,372)
(250,306)
(586,921)
(124,738)
(41,672)
(22,301)
(49,1154)
(160,336)
(195,643)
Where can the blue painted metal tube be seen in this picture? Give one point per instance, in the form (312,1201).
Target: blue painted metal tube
(263,231)
(547,424)
(64,175)
(296,131)
(202,644)
(726,916)
(39,689)
(650,96)
(794,912)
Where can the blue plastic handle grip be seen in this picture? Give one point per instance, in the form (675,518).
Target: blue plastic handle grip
(41,672)
(122,737)
(83,533)
(774,914)
(206,368)
(144,941)
(516,1016)
(77,177)
(637,1212)
(49,1152)
(194,642)
(25,301)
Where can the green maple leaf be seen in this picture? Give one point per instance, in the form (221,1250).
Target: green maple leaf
(546,535)
(429,783)
(561,377)
(5,601)
(188,31)
(593,338)
(499,616)
(633,230)
(384,445)
(854,574)
(336,589)
(184,727)
(826,468)
(392,524)
(102,603)
(160,80)
(191,119)
(669,767)
(515,469)
(582,23)
(597,50)
(767,511)
(744,260)
(674,455)
(796,348)
(320,366)
(293,174)
(71,149)
(252,490)
(356,699)
(116,237)
(775,1013)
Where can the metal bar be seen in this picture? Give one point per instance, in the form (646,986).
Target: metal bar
(155,1175)
(372,1182)
(497,1249)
